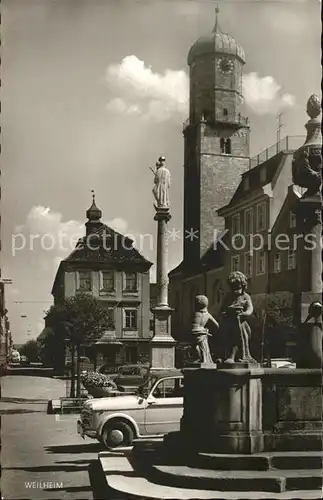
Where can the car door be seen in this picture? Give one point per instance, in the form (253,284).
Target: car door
(164,407)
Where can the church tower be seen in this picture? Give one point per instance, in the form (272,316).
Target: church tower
(216,137)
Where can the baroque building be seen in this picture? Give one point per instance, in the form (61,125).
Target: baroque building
(106,265)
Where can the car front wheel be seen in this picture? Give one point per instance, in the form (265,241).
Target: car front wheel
(117,434)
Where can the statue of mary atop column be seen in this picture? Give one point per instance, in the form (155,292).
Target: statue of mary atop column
(161,184)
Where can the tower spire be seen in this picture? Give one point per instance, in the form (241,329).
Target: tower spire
(216,25)
(93,213)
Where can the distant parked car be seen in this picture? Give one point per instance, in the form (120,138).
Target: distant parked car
(24,361)
(15,357)
(110,370)
(126,375)
(282,363)
(132,375)
(154,410)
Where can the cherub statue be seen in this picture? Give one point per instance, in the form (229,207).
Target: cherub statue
(199,332)
(236,308)
(161,184)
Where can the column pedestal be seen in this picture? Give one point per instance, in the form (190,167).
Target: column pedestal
(223,409)
(162,352)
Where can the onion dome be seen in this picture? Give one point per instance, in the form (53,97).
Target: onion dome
(93,213)
(216,43)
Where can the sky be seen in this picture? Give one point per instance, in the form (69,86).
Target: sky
(94,91)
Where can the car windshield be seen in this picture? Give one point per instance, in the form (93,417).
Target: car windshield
(145,388)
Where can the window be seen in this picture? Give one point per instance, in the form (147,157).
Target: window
(235,263)
(248,220)
(292,219)
(84,281)
(225,111)
(261,262)
(291,259)
(261,216)
(107,281)
(130,319)
(235,224)
(131,284)
(248,264)
(169,388)
(225,146)
(277,263)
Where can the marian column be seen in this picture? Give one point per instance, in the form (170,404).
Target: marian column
(162,351)
(307,172)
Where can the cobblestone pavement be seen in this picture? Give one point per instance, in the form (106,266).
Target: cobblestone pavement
(42,456)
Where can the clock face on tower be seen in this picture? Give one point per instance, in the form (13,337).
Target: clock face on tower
(225,65)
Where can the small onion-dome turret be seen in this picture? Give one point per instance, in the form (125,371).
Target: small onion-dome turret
(93,213)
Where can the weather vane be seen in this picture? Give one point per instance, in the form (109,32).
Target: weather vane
(217,11)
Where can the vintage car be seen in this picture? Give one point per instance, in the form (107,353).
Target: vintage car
(155,409)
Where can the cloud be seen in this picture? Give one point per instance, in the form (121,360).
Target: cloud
(119,225)
(264,95)
(157,96)
(46,230)
(161,96)
(120,106)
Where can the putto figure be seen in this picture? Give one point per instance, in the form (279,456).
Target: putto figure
(161,184)
(200,332)
(236,308)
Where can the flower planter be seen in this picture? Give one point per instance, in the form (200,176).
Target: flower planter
(98,385)
(100,392)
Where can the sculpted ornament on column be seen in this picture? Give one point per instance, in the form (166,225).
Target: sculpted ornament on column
(307,161)
(161,185)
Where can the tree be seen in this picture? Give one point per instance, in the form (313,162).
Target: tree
(31,350)
(50,347)
(79,320)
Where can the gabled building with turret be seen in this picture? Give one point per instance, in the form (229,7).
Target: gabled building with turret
(106,265)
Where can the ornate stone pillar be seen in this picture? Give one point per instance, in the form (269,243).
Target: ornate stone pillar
(307,171)
(162,345)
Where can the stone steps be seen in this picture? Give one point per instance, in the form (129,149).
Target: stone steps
(260,461)
(237,480)
(124,482)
